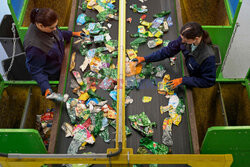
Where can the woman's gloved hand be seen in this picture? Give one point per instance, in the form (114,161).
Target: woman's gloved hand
(77,34)
(48,92)
(174,83)
(139,59)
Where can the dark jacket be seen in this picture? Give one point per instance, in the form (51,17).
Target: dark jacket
(200,63)
(44,54)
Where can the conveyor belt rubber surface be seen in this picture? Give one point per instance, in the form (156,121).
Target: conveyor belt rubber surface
(181,137)
(180,134)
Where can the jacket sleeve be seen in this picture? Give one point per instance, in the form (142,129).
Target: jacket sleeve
(35,61)
(208,75)
(172,49)
(67,35)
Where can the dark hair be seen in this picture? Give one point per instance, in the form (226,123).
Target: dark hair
(45,16)
(192,29)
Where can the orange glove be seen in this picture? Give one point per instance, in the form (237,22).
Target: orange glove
(77,34)
(48,92)
(139,59)
(174,83)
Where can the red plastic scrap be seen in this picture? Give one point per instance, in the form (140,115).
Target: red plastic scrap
(47,117)
(143,17)
(129,19)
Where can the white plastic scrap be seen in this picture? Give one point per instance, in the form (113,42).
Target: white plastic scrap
(85,64)
(109,25)
(68,129)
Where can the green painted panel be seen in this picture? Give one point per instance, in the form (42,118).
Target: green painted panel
(27,141)
(220,35)
(229,140)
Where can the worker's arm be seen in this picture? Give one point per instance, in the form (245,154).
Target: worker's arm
(35,62)
(66,35)
(208,75)
(172,49)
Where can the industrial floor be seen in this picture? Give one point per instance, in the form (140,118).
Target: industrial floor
(181,136)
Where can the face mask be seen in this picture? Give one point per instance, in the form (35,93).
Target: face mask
(193,47)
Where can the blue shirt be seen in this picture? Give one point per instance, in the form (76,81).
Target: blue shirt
(44,62)
(200,63)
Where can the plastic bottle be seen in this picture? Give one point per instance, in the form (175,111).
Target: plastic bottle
(155,42)
(162,13)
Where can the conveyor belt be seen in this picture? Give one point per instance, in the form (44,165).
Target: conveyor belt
(181,135)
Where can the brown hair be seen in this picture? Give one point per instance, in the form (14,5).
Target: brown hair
(45,16)
(192,29)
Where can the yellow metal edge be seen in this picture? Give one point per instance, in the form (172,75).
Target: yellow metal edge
(204,160)
(121,81)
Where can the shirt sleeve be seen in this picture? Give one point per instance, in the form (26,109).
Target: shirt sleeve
(67,35)
(169,51)
(208,75)
(35,61)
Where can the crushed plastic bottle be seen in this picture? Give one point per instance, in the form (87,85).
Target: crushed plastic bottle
(105,135)
(162,13)
(135,9)
(170,21)
(155,42)
(145,23)
(167,131)
(137,35)
(131,54)
(157,22)
(84,5)
(156,32)
(106,14)
(160,70)
(98,123)
(58,97)
(139,41)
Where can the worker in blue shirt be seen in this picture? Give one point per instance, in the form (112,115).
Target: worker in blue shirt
(196,46)
(44,47)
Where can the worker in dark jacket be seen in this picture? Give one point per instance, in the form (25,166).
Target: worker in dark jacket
(195,44)
(44,47)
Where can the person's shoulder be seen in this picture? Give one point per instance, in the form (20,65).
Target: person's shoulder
(33,50)
(208,50)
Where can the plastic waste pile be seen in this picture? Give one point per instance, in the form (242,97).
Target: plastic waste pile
(90,114)
(150,32)
(44,124)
